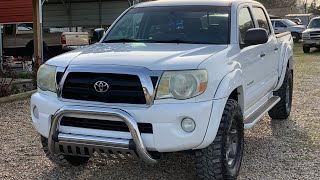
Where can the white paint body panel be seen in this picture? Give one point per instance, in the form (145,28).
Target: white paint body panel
(229,67)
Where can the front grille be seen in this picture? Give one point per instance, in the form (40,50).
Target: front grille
(315,33)
(103,124)
(315,38)
(123,88)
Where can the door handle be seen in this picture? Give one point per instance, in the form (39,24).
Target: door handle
(262,55)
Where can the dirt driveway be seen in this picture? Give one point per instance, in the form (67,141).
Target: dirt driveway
(273,150)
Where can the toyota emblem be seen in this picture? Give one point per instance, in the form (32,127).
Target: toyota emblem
(101,86)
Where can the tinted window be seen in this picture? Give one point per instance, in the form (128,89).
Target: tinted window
(245,23)
(196,24)
(261,18)
(279,24)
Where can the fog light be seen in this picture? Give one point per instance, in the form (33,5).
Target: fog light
(36,112)
(188,124)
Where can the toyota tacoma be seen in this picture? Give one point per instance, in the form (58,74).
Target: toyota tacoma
(167,76)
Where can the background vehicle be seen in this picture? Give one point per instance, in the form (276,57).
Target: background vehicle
(305,18)
(17,36)
(74,40)
(168,76)
(311,36)
(284,25)
(297,21)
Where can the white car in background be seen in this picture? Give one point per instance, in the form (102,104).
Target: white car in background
(311,36)
(284,25)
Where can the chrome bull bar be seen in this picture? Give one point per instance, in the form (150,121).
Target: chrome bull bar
(55,138)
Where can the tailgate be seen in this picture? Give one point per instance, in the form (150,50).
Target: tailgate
(77,38)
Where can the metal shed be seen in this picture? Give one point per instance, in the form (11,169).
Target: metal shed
(15,11)
(12,11)
(63,13)
(82,13)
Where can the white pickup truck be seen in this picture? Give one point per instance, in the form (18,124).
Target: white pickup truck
(167,76)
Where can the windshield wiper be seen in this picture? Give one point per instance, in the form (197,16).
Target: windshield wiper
(120,40)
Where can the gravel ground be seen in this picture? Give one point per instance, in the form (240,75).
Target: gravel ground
(273,150)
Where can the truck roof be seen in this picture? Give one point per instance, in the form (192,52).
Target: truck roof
(193,2)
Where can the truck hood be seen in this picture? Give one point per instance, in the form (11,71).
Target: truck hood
(298,28)
(153,56)
(311,30)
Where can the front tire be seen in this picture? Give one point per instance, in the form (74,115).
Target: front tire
(283,109)
(295,37)
(62,160)
(222,159)
(306,49)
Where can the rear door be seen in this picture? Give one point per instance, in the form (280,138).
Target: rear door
(268,59)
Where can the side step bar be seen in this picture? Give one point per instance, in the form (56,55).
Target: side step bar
(253,118)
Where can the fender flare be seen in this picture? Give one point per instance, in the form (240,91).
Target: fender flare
(287,63)
(229,83)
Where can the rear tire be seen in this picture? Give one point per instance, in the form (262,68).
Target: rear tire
(306,49)
(283,108)
(62,160)
(222,159)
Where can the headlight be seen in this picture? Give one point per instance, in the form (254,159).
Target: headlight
(182,84)
(46,78)
(305,35)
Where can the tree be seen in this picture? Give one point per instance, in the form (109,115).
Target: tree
(313,8)
(278,4)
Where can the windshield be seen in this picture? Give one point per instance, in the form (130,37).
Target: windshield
(187,24)
(315,23)
(289,22)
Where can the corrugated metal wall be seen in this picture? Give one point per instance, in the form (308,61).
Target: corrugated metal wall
(15,11)
(82,14)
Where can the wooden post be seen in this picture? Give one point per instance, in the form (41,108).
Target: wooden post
(1,41)
(37,37)
(37,31)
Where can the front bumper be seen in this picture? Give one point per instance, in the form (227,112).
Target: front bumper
(91,141)
(311,42)
(167,135)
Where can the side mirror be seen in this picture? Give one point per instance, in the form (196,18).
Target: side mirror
(256,36)
(98,34)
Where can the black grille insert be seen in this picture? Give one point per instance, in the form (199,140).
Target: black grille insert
(103,124)
(123,88)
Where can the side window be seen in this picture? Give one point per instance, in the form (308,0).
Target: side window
(8,29)
(245,23)
(272,23)
(280,24)
(261,18)
(24,28)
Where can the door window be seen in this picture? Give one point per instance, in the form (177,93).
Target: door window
(261,18)
(245,23)
(24,28)
(280,24)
